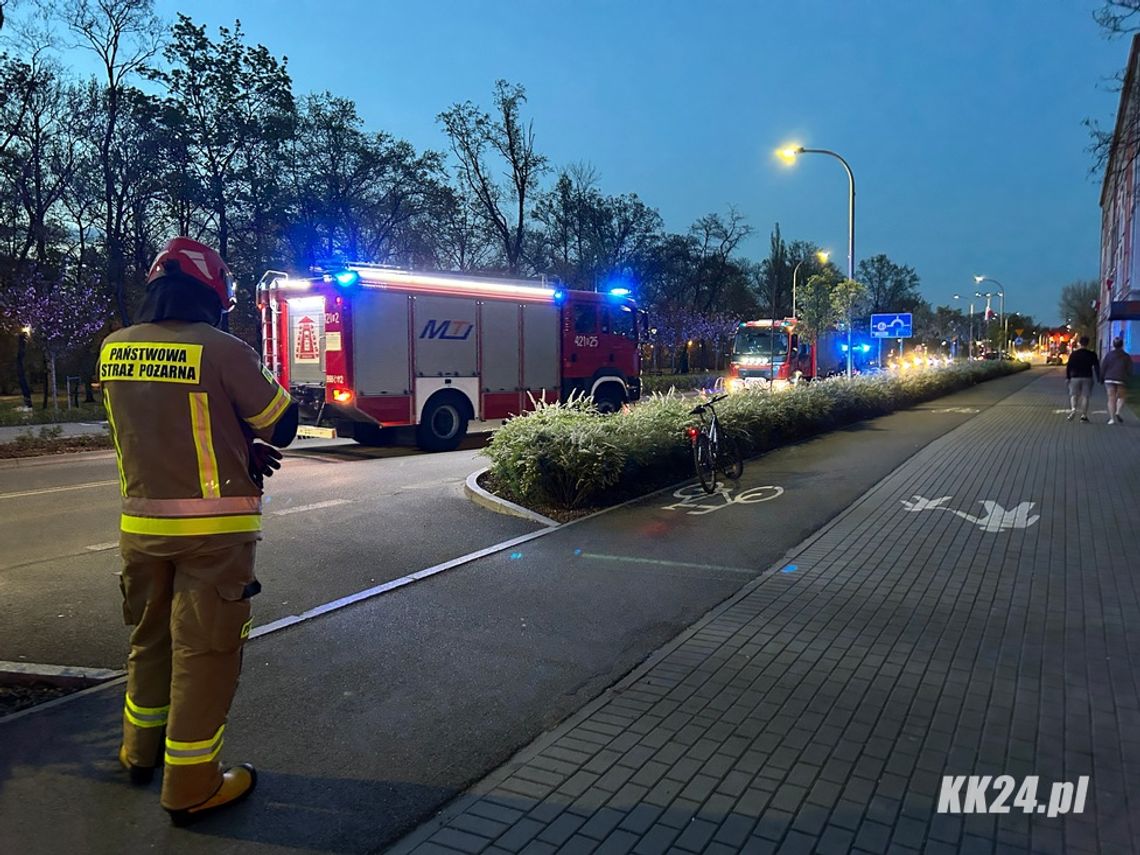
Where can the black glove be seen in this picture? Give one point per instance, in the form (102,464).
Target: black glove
(264,460)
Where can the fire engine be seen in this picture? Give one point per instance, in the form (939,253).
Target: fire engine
(1056,344)
(367,348)
(767,350)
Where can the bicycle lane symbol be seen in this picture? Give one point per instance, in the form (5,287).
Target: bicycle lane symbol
(695,501)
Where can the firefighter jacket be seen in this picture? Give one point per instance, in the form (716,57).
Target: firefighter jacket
(177,394)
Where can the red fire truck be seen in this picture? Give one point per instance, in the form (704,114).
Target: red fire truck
(367,348)
(1056,344)
(767,350)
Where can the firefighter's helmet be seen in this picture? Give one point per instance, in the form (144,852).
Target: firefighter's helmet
(198,262)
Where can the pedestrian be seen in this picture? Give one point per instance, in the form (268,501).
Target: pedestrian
(1115,371)
(185,402)
(1082,366)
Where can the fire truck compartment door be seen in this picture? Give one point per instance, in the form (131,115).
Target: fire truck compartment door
(541,329)
(444,332)
(500,342)
(380,343)
(307,340)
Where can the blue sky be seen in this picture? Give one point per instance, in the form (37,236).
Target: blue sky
(960,118)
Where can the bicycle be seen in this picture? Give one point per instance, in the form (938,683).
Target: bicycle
(713,448)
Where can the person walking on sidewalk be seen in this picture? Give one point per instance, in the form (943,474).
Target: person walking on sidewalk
(1082,366)
(185,402)
(1115,371)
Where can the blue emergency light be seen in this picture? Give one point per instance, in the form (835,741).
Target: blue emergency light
(346,278)
(620,292)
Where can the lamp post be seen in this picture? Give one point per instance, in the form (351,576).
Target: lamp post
(1001,320)
(989,296)
(788,153)
(822,256)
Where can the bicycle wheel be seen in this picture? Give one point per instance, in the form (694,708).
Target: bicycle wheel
(703,463)
(728,458)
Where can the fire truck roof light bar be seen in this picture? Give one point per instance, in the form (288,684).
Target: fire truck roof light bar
(374,276)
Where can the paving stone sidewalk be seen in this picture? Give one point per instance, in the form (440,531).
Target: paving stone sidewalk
(921,634)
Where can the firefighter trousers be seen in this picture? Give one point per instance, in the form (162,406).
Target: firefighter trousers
(190,610)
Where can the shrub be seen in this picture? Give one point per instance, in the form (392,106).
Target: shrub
(567,455)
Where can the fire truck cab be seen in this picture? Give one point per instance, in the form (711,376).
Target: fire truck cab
(770,351)
(367,348)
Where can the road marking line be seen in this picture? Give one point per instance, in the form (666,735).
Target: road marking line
(331,503)
(56,489)
(99,547)
(629,559)
(368,593)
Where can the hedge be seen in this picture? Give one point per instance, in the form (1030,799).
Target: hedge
(566,456)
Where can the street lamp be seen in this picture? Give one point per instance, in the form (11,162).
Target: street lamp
(788,153)
(822,256)
(1001,293)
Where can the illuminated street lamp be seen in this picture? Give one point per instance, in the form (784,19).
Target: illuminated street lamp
(1001,321)
(822,255)
(788,154)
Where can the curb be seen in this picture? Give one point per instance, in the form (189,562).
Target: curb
(494,503)
(64,676)
(71,676)
(44,459)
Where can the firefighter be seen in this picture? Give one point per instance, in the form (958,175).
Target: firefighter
(191,411)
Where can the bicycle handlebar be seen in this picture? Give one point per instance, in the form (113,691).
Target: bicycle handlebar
(696,411)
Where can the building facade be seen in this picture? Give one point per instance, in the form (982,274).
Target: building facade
(1118,311)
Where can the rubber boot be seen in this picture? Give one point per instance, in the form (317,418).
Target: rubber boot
(140,775)
(237,783)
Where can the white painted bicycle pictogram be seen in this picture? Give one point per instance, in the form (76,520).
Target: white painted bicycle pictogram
(696,502)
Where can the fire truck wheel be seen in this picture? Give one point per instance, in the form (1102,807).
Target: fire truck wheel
(608,399)
(443,425)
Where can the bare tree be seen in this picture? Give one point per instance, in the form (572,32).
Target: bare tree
(125,35)
(1077,305)
(1119,17)
(473,134)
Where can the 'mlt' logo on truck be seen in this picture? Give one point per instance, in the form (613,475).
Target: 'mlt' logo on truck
(447,330)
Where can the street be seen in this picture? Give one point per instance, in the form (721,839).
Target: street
(339,518)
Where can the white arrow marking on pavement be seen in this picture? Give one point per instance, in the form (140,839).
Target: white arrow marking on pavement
(331,503)
(56,489)
(996,518)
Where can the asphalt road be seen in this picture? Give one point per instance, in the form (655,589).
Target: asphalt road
(368,719)
(339,518)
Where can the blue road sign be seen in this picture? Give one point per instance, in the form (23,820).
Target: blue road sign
(1019,341)
(897,325)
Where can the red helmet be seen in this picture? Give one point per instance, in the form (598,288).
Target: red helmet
(199,262)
